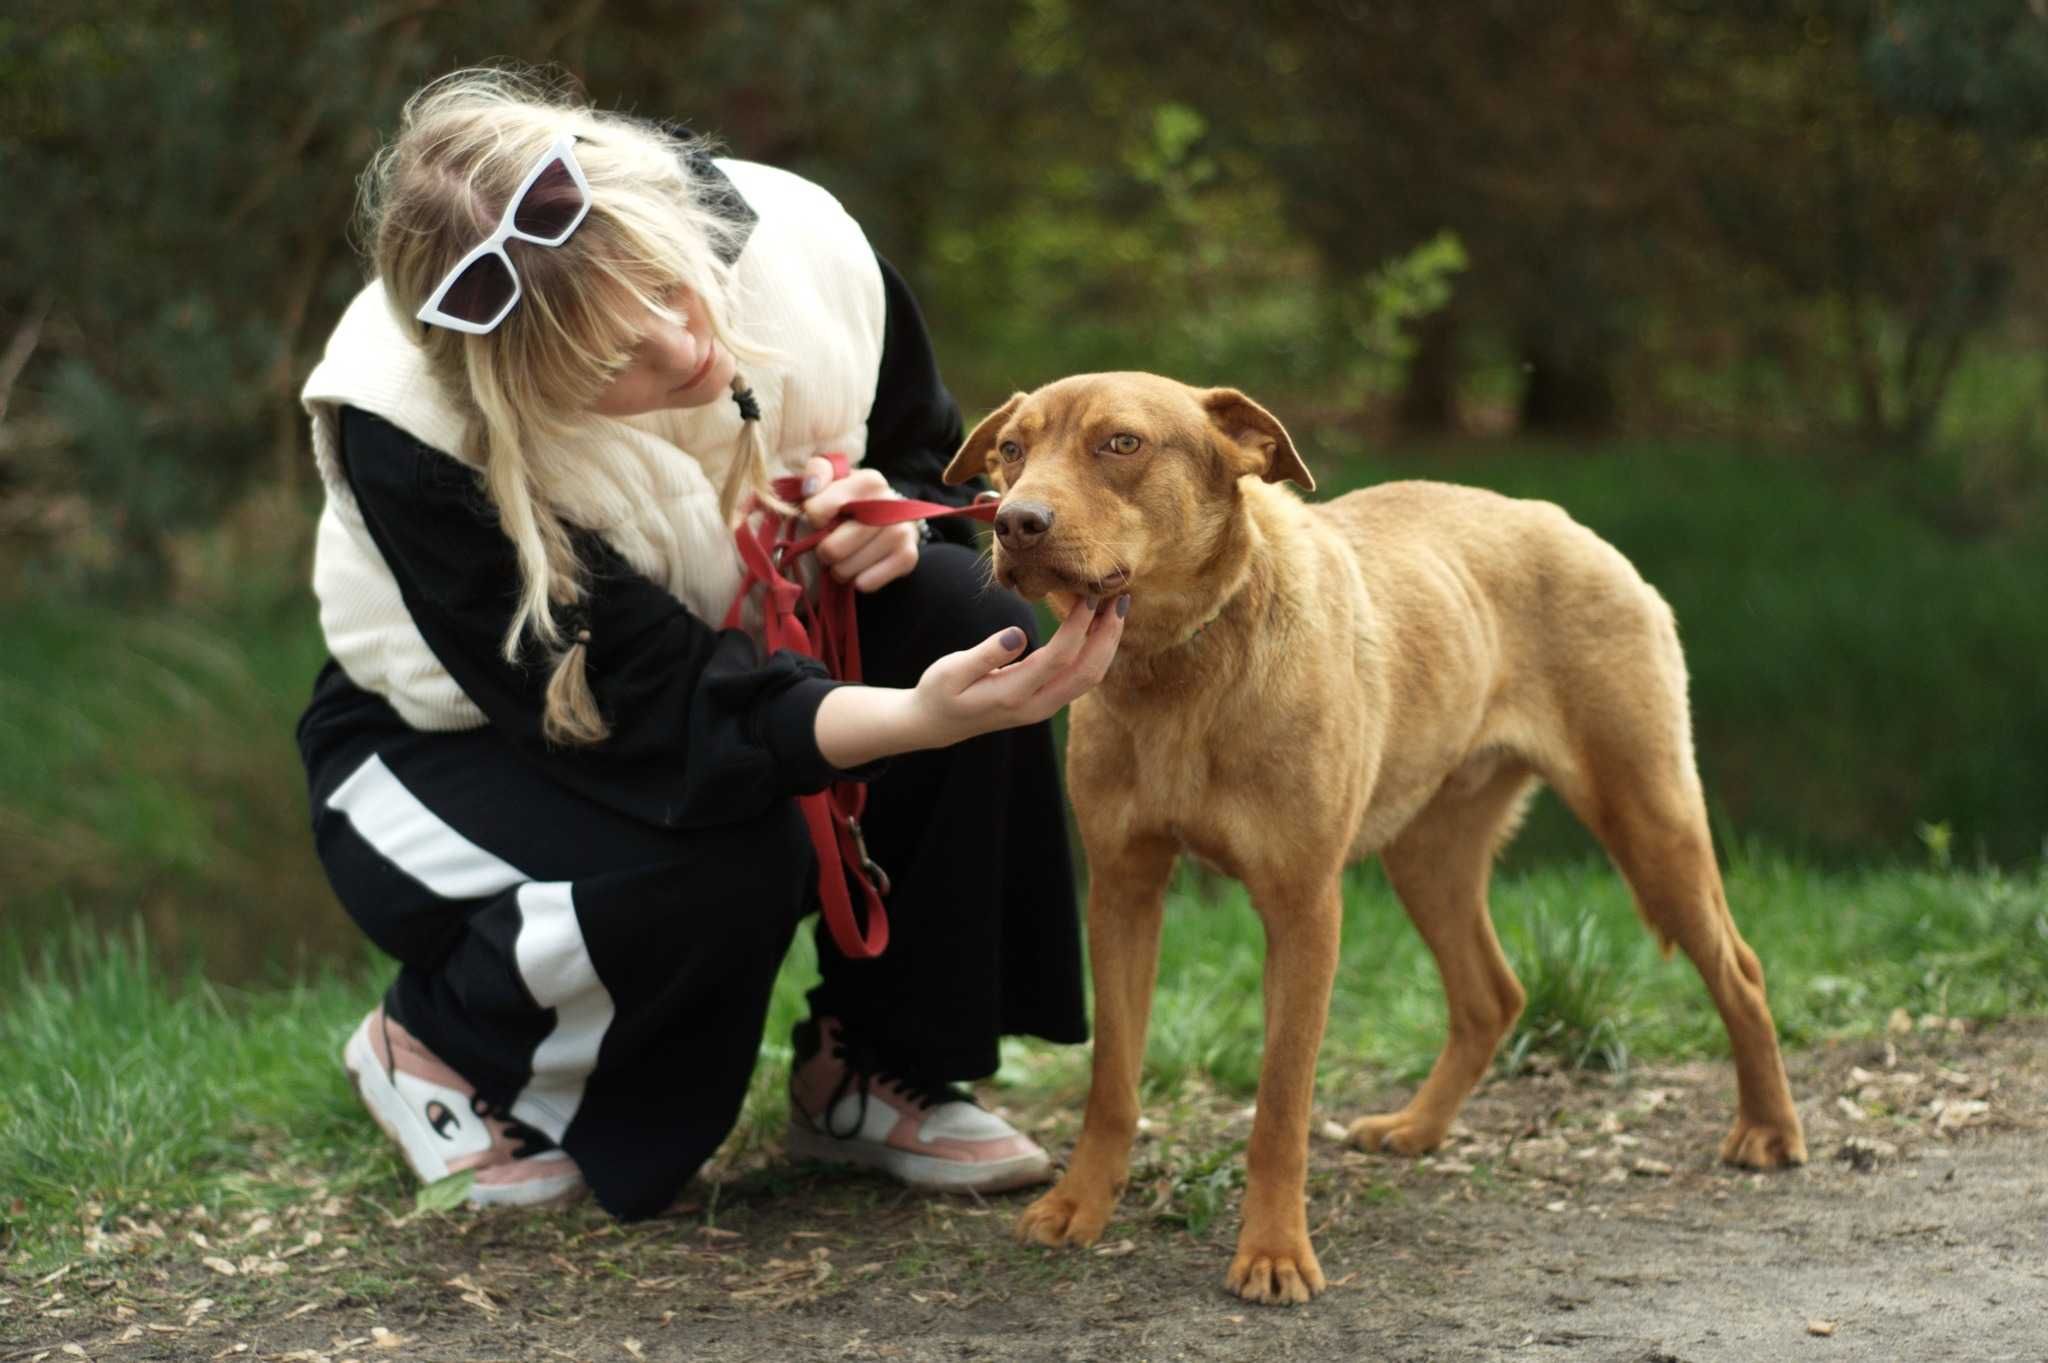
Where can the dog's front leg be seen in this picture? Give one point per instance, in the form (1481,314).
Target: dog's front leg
(1126,900)
(1275,1263)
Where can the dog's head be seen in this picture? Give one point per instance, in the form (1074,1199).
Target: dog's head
(1115,482)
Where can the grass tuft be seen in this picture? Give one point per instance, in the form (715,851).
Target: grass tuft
(1578,985)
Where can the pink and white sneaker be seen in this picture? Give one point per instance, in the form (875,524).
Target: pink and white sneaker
(846,1107)
(437,1119)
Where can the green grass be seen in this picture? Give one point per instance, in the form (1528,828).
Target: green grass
(121,1085)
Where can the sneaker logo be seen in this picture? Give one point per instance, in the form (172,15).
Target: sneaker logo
(444,1122)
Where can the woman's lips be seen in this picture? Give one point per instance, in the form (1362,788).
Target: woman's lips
(710,358)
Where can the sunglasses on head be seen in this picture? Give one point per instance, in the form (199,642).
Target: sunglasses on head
(550,203)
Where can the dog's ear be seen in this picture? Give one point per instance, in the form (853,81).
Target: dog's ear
(1258,433)
(972,460)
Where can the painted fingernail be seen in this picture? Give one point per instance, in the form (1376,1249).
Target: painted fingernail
(1093,603)
(812,484)
(1123,605)
(1012,639)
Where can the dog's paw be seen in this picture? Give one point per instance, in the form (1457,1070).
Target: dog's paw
(1764,1145)
(1400,1133)
(1285,1276)
(1060,1218)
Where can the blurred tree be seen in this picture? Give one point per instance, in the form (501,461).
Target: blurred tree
(1522,128)
(1870,164)
(1846,189)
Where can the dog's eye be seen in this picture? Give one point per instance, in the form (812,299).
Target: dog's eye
(1123,443)
(1011,451)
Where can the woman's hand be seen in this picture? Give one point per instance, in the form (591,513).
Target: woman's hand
(868,556)
(979,689)
(975,691)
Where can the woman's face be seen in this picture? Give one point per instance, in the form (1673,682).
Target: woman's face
(676,364)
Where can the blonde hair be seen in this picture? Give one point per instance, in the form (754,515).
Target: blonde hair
(435,191)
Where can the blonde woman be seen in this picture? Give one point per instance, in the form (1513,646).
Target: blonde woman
(556,793)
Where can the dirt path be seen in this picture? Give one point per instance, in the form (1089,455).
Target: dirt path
(1573,1218)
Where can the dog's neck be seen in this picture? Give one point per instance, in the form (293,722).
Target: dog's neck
(1170,632)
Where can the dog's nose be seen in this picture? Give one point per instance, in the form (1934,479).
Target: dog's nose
(1019,525)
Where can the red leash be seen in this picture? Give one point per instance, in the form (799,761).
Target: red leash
(824,629)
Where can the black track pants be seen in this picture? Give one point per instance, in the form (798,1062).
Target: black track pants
(607,979)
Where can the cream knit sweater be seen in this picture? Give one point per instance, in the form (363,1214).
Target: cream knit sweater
(810,289)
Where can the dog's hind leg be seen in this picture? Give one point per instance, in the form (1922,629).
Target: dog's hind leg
(1632,782)
(1126,903)
(1439,866)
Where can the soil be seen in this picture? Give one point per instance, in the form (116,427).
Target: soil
(1571,1217)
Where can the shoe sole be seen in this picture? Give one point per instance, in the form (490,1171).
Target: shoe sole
(926,1173)
(394,1115)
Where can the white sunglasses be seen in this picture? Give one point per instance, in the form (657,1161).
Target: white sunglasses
(483,288)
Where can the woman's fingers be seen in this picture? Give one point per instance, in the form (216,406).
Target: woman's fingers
(955,672)
(1088,669)
(817,473)
(848,541)
(827,499)
(899,561)
(878,545)
(1015,685)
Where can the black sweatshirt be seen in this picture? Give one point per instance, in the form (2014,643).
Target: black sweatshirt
(704,730)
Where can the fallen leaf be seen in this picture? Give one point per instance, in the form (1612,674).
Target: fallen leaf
(381,1338)
(1335,1131)
(75,1351)
(632,1346)
(1822,1327)
(1650,1168)
(473,1292)
(445,1194)
(1120,1247)
(225,1268)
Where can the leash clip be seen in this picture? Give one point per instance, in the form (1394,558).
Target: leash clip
(868,866)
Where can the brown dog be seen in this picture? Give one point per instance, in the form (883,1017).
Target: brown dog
(1300,686)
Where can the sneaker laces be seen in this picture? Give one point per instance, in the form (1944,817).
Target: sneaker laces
(531,1140)
(863,1066)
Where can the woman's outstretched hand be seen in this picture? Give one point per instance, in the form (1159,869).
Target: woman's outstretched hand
(975,691)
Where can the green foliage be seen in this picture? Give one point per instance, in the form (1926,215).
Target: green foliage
(120,1084)
(1204,1188)
(1979,64)
(1382,308)
(1829,199)
(1577,993)
(445,1194)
